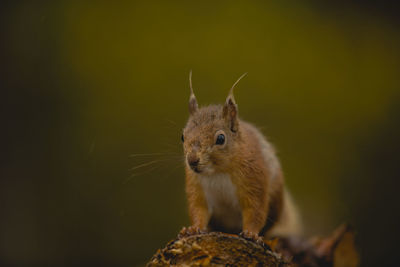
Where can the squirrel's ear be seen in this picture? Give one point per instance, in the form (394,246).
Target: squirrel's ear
(230,110)
(193,107)
(230,113)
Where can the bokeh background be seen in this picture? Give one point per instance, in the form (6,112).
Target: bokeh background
(88,87)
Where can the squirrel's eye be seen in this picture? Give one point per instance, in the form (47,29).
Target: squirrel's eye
(182,138)
(220,139)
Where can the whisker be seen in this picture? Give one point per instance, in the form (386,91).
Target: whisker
(146,164)
(139,174)
(150,154)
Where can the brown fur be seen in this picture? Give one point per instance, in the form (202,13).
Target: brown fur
(246,158)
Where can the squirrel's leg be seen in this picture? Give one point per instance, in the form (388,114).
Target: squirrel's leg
(198,210)
(252,224)
(254,204)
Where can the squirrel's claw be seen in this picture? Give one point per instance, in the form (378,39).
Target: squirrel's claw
(191,230)
(252,237)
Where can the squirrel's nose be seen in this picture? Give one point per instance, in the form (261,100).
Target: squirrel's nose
(193,161)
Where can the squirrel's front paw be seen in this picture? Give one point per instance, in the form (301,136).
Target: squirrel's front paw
(191,230)
(252,237)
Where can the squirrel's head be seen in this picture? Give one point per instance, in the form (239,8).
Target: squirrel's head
(211,134)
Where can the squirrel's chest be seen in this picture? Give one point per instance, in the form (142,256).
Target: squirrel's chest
(222,201)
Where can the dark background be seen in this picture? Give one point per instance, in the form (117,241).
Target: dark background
(85,87)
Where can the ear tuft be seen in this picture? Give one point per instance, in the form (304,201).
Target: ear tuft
(230,110)
(193,106)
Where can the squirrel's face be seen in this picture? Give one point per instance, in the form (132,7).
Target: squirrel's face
(209,138)
(210,134)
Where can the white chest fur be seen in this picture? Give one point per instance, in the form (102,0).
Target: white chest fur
(223,203)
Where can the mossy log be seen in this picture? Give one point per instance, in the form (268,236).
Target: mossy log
(221,249)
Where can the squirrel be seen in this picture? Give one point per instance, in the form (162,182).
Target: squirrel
(234,181)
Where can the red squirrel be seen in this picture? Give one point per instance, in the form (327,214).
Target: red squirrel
(234,181)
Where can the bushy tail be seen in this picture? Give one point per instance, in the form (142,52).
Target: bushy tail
(289,223)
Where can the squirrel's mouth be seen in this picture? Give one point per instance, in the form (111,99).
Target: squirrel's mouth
(196,169)
(203,169)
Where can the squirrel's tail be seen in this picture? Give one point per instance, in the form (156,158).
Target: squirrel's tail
(289,222)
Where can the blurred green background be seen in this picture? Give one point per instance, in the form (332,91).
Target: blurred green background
(86,85)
